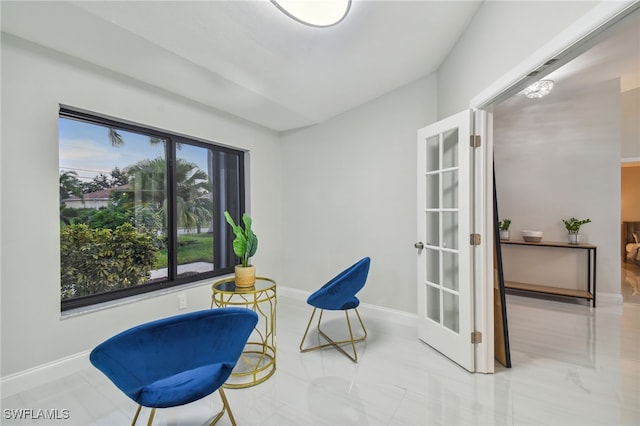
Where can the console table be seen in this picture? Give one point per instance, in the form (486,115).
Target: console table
(258,360)
(589,293)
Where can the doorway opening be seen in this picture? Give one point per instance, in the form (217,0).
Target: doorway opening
(559,156)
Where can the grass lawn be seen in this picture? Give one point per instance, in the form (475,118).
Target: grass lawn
(191,248)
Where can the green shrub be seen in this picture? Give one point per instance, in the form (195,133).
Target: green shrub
(98,260)
(110,218)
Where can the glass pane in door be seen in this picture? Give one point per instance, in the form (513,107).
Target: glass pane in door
(433,303)
(450,230)
(433,190)
(433,153)
(451,308)
(450,270)
(450,149)
(433,229)
(432,265)
(450,189)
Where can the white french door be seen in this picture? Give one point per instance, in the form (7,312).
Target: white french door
(445,288)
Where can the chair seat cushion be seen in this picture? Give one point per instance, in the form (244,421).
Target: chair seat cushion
(184,387)
(326,300)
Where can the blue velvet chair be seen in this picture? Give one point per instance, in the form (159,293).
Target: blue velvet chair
(176,360)
(339,294)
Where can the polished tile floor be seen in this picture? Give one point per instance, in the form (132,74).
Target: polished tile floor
(631,282)
(572,365)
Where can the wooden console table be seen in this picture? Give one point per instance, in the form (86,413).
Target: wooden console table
(589,294)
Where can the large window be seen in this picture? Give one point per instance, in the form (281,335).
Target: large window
(141,209)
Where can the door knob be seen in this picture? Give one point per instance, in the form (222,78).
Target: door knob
(419,245)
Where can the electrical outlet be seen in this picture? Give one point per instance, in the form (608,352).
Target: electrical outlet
(182,301)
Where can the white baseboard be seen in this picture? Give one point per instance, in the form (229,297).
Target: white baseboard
(389,315)
(608,299)
(45,373)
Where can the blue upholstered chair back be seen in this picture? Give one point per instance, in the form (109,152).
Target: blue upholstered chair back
(176,360)
(340,292)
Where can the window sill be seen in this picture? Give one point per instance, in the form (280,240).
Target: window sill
(85,310)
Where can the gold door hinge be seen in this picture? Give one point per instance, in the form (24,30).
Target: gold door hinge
(474,239)
(476,337)
(476,141)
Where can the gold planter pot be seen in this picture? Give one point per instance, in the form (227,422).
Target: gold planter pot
(245,276)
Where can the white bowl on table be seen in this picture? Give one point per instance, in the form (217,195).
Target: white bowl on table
(532,236)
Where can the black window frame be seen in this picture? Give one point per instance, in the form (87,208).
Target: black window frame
(223,237)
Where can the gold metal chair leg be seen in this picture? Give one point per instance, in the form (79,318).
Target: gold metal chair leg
(151,416)
(306,331)
(135,417)
(225,407)
(331,342)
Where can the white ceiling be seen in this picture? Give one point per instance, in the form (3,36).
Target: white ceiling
(612,54)
(246,57)
(250,60)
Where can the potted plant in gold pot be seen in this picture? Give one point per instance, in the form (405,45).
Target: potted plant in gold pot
(245,245)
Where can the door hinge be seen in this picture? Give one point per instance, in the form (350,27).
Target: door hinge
(476,337)
(474,239)
(476,141)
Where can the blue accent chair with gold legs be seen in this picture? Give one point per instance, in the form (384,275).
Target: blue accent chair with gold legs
(339,294)
(176,360)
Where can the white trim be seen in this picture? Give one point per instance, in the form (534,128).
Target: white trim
(630,160)
(293,293)
(388,315)
(602,14)
(484,295)
(84,310)
(45,373)
(609,299)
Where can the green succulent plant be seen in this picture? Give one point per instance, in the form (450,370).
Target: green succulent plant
(245,244)
(504,224)
(573,225)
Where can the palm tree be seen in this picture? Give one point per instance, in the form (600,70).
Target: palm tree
(70,186)
(149,181)
(194,208)
(193,187)
(192,194)
(117,139)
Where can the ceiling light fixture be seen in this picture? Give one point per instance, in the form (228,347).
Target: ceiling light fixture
(539,89)
(316,13)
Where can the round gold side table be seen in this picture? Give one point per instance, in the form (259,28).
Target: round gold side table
(258,360)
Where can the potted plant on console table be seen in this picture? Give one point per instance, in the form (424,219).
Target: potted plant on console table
(504,228)
(573,228)
(244,246)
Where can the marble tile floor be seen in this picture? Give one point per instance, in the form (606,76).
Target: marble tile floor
(572,365)
(630,282)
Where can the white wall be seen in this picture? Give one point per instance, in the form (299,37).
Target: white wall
(501,35)
(631,124)
(34,81)
(555,158)
(347,187)
(350,191)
